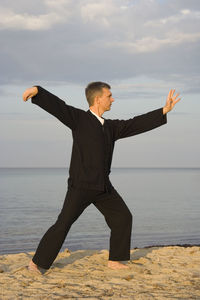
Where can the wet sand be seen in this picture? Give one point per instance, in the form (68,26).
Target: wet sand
(169,272)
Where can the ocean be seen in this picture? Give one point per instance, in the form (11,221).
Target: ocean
(165,203)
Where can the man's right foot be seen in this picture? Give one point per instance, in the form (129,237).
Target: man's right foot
(116,265)
(33,268)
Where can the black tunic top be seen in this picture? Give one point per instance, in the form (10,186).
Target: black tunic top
(93,143)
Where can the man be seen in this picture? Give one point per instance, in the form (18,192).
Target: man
(93,144)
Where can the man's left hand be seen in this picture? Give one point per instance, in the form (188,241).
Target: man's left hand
(171,101)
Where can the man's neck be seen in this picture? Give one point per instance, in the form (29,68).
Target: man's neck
(96,110)
(98,117)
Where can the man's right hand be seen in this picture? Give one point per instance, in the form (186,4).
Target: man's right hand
(29,93)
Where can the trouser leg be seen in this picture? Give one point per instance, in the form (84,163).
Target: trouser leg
(52,241)
(119,219)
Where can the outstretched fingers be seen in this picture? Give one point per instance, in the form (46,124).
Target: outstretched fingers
(169,95)
(172,93)
(176,96)
(177,100)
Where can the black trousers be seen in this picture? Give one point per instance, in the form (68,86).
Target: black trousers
(110,204)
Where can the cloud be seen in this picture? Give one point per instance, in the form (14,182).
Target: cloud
(9,19)
(183,15)
(57,12)
(151,44)
(83,40)
(98,12)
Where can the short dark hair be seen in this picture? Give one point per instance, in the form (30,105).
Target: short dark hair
(94,88)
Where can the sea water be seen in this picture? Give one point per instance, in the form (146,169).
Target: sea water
(165,203)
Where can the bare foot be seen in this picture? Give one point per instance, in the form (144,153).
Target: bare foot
(33,267)
(116,265)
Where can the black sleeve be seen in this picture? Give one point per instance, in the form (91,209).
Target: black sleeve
(138,124)
(67,114)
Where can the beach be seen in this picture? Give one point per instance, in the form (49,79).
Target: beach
(163,272)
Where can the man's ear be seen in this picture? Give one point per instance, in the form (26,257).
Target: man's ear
(96,99)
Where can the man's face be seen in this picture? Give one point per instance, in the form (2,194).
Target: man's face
(106,99)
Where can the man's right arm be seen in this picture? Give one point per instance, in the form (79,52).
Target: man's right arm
(67,114)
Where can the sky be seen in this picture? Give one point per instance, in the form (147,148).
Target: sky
(142,48)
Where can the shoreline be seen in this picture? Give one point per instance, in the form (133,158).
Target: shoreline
(155,272)
(169,245)
(145,247)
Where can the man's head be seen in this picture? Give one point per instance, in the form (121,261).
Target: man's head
(98,93)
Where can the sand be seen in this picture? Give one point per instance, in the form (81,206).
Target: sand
(170,272)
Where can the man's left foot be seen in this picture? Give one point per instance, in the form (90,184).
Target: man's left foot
(116,265)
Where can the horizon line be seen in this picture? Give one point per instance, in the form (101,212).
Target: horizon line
(162,167)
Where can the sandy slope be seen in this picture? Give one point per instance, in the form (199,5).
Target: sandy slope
(155,273)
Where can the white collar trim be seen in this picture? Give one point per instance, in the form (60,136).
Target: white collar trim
(99,118)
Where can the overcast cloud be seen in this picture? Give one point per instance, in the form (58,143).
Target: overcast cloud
(75,41)
(141,47)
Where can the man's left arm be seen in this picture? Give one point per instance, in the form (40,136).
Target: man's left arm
(145,122)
